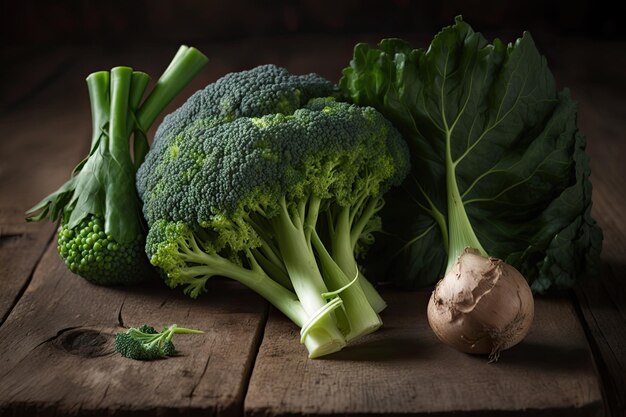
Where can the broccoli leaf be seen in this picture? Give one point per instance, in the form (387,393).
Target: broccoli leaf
(488,120)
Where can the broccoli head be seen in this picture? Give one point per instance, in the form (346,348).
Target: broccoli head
(264,178)
(90,252)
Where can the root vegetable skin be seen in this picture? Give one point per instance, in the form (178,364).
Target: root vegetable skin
(482,306)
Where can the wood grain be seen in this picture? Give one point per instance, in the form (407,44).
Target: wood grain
(607,332)
(602,298)
(21,247)
(56,355)
(41,143)
(404,370)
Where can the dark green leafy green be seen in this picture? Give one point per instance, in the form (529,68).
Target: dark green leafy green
(486,124)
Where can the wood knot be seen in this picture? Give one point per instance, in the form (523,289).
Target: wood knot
(85,342)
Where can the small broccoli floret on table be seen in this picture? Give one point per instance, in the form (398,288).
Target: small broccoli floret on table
(145,343)
(264,178)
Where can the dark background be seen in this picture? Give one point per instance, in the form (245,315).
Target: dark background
(27,23)
(41,40)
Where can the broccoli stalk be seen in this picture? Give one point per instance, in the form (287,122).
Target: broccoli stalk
(348,228)
(318,297)
(293,227)
(145,343)
(179,254)
(185,65)
(357,317)
(102,230)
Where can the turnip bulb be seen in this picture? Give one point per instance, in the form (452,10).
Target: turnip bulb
(482,305)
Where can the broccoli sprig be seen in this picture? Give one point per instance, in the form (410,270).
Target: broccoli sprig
(264,178)
(90,252)
(102,228)
(145,343)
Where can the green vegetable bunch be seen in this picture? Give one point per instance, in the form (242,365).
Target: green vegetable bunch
(146,344)
(102,232)
(264,178)
(498,164)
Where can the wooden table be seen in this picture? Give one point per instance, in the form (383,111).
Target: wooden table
(56,355)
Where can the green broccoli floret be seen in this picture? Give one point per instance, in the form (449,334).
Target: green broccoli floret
(102,231)
(91,253)
(263,178)
(146,344)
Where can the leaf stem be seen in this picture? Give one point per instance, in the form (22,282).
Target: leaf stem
(184,67)
(461,233)
(98,87)
(118,115)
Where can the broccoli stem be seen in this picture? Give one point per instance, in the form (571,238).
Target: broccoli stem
(118,140)
(98,87)
(373,206)
(140,141)
(183,68)
(280,297)
(182,50)
(209,265)
(343,241)
(121,205)
(185,65)
(278,273)
(166,334)
(324,337)
(174,329)
(267,254)
(139,83)
(299,259)
(362,318)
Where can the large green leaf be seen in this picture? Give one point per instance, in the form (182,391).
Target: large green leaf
(487,120)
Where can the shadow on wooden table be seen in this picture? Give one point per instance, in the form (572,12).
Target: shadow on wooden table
(387,347)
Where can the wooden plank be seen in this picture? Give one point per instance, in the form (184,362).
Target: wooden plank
(41,144)
(404,370)
(56,348)
(603,119)
(602,298)
(21,246)
(607,332)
